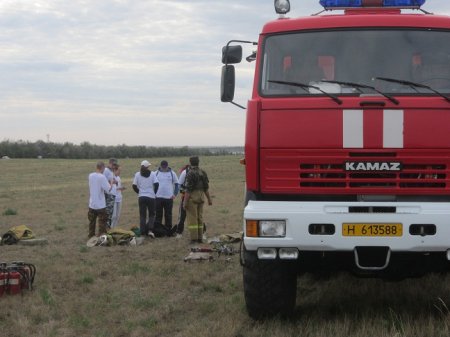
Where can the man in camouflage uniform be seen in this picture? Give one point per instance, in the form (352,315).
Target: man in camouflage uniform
(197,186)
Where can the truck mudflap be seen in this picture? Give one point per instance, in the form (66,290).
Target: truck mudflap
(371,232)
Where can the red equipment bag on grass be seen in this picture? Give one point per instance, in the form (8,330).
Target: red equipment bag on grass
(16,276)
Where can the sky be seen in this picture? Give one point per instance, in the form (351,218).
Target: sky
(134,72)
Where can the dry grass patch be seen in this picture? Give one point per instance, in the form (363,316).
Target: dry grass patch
(150,291)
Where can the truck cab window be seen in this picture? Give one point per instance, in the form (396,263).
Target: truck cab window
(357,56)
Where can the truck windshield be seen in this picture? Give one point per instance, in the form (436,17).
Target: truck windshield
(326,59)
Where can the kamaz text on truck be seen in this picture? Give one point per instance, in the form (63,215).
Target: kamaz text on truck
(347,147)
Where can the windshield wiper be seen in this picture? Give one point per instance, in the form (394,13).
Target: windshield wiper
(363,86)
(307,86)
(413,85)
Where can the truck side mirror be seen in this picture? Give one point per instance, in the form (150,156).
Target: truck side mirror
(231,54)
(227,84)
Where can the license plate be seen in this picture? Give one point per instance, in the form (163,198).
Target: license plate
(372,229)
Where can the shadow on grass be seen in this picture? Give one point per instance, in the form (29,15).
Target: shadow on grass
(356,299)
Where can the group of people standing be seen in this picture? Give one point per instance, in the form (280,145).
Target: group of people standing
(156,193)
(157,190)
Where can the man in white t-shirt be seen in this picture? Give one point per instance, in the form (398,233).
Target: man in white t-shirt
(98,186)
(181,212)
(167,192)
(145,184)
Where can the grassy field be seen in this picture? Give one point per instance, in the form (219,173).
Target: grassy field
(149,290)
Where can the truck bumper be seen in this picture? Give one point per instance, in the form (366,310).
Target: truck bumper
(299,217)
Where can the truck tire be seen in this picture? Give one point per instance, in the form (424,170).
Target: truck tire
(270,286)
(249,195)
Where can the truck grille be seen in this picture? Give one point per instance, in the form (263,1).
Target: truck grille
(293,171)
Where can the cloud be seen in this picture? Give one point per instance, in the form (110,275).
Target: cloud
(89,70)
(71,62)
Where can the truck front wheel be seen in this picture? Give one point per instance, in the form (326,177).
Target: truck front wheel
(270,286)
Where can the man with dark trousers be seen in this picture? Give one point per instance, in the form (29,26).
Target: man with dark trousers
(167,192)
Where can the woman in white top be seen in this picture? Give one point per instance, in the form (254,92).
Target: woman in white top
(117,191)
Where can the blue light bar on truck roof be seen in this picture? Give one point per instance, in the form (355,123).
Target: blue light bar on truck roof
(336,4)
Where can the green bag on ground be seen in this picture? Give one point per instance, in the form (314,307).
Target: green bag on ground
(17,233)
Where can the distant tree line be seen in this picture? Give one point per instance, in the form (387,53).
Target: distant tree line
(86,150)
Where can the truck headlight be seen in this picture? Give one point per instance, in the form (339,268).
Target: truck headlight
(288,253)
(265,228)
(272,228)
(267,253)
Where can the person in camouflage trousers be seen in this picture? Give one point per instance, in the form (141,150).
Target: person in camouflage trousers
(102,216)
(98,187)
(197,187)
(110,198)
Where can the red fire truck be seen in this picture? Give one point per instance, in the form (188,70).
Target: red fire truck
(347,147)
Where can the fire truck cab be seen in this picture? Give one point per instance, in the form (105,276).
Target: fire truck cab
(347,147)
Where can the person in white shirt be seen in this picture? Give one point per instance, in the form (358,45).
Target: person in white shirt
(167,192)
(109,197)
(182,212)
(145,184)
(117,191)
(98,186)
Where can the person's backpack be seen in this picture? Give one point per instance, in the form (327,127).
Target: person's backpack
(171,174)
(197,179)
(161,231)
